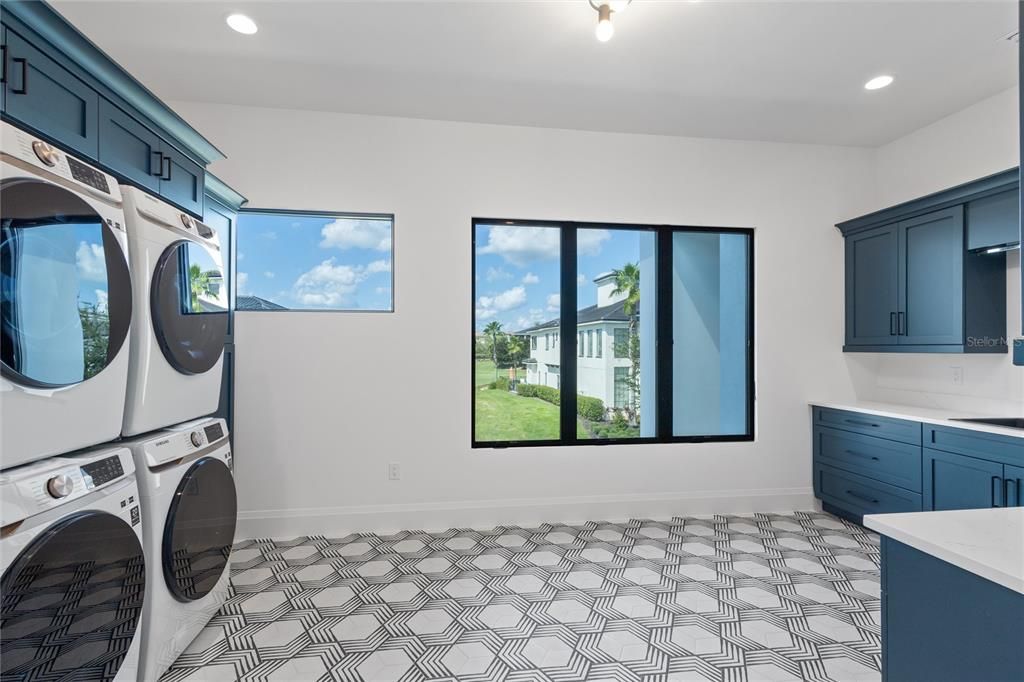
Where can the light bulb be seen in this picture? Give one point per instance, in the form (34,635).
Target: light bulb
(242,24)
(605,30)
(878,82)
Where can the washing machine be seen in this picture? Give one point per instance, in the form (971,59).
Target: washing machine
(189,509)
(181,309)
(65,301)
(74,574)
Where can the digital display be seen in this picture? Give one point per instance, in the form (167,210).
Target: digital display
(103,471)
(88,176)
(214,432)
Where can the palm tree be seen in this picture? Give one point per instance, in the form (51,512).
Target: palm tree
(627,281)
(199,285)
(493,330)
(515,347)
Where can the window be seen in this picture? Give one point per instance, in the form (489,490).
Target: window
(621,342)
(678,304)
(288,260)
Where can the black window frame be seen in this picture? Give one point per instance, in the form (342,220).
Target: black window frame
(663,328)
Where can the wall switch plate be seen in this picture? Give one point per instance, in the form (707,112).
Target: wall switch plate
(957,375)
(394,471)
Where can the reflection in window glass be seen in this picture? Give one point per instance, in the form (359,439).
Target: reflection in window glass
(208,292)
(516,302)
(616,297)
(710,359)
(294,261)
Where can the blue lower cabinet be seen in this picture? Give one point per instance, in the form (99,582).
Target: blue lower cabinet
(859,495)
(130,147)
(941,623)
(953,481)
(45,96)
(891,462)
(182,182)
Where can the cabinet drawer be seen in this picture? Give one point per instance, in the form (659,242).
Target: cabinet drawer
(861,495)
(888,461)
(1005,449)
(869,424)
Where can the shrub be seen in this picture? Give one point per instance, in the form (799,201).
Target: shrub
(527,390)
(590,408)
(501,383)
(619,420)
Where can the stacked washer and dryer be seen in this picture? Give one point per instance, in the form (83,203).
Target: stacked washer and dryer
(118,499)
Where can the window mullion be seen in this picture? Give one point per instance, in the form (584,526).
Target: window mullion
(567,329)
(663,362)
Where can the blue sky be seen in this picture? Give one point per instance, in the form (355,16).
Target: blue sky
(517,270)
(319,262)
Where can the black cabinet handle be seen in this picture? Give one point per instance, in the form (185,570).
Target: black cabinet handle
(1011,492)
(861,497)
(892,324)
(166,174)
(857,422)
(997,491)
(3,56)
(901,327)
(159,165)
(861,454)
(23,90)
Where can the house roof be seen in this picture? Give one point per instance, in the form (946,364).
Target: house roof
(256,303)
(609,313)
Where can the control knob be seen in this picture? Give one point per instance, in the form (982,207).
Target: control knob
(47,154)
(197,438)
(60,486)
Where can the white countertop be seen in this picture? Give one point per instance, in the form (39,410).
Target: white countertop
(929,415)
(986,542)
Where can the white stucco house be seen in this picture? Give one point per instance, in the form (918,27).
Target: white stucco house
(601,358)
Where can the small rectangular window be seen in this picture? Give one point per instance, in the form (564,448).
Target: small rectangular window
(621,343)
(580,345)
(293,260)
(621,388)
(599,334)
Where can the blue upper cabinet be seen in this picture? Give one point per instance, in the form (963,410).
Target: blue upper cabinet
(931,263)
(41,93)
(130,147)
(912,284)
(993,222)
(872,287)
(182,181)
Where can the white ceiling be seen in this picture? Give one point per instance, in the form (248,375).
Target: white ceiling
(748,70)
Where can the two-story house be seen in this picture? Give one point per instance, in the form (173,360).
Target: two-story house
(602,364)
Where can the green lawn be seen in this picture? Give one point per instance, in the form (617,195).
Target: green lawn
(505,416)
(483,372)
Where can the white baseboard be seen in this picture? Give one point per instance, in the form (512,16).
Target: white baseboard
(485,514)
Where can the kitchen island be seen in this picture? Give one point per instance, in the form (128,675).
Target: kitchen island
(952,595)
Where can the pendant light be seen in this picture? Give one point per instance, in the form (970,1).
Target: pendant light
(605,9)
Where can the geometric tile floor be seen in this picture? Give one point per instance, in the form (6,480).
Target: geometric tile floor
(772,597)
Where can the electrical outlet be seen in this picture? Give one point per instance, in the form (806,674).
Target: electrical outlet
(957,375)
(394,471)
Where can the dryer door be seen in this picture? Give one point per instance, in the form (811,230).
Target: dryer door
(189,307)
(72,601)
(199,530)
(65,292)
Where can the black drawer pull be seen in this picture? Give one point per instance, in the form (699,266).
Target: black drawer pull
(23,90)
(901,326)
(159,165)
(997,491)
(1011,488)
(861,454)
(857,422)
(861,497)
(3,55)
(167,172)
(892,324)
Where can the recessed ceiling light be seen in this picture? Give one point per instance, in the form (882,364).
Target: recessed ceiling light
(878,82)
(242,24)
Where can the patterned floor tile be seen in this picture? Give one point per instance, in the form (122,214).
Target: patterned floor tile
(771,597)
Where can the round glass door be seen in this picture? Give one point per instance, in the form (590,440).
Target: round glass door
(189,307)
(72,601)
(200,529)
(65,290)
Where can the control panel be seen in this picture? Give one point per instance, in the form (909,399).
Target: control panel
(102,471)
(185,439)
(214,432)
(88,176)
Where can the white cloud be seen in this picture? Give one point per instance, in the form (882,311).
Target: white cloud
(346,233)
(581,279)
(241,283)
(329,284)
(554,302)
(102,300)
(530,278)
(535,316)
(521,246)
(495,274)
(269,234)
(268,274)
(588,242)
(91,262)
(382,290)
(489,306)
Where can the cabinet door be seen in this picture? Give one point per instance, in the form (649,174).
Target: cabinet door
(129,147)
(1014,480)
(931,274)
(959,482)
(42,94)
(872,287)
(182,182)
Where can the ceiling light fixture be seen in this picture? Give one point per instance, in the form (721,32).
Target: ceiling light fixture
(878,82)
(242,24)
(605,9)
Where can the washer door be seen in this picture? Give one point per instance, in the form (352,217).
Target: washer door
(65,290)
(199,530)
(72,601)
(189,307)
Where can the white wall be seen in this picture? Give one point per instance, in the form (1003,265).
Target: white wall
(325,401)
(973,143)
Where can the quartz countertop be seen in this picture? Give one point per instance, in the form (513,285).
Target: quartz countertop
(986,542)
(927,415)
